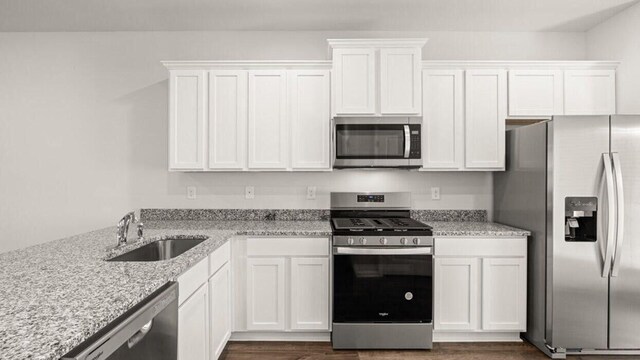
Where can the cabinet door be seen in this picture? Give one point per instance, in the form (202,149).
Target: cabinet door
(268,127)
(265,294)
(535,93)
(354,81)
(456,300)
(309,293)
(193,326)
(589,92)
(443,119)
(504,294)
(227,119)
(186,119)
(310,119)
(220,310)
(400,89)
(485,116)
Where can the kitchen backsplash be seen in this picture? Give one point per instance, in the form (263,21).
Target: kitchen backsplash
(295,214)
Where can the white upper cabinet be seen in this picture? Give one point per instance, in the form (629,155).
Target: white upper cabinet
(443,119)
(186,119)
(486,113)
(589,92)
(268,125)
(354,77)
(227,119)
(535,93)
(310,119)
(377,77)
(400,88)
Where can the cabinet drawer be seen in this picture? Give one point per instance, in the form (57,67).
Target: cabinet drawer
(192,279)
(219,257)
(480,247)
(288,247)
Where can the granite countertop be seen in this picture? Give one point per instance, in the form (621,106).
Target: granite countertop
(474,229)
(57,294)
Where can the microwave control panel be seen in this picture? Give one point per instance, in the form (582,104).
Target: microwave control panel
(416,140)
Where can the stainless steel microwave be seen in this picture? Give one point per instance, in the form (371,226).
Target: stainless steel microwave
(377,142)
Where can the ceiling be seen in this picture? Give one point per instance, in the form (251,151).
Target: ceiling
(335,15)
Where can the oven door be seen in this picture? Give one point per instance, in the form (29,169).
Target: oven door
(392,143)
(379,285)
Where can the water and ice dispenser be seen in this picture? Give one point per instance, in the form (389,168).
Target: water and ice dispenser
(580,217)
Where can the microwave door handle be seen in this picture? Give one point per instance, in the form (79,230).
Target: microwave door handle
(407,141)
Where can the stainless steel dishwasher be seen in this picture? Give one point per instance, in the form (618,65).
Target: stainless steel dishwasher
(148,331)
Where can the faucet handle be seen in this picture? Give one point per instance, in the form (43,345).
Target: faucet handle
(140,231)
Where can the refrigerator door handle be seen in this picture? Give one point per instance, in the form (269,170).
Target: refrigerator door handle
(611,210)
(620,211)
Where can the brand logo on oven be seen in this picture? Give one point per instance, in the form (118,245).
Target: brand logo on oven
(383,314)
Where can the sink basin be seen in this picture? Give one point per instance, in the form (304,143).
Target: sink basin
(164,249)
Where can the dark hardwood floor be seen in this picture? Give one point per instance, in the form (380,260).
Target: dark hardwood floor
(444,351)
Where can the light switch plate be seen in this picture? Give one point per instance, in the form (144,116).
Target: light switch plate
(249,192)
(191,192)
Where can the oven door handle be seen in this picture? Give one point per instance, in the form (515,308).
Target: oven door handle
(407,141)
(340,250)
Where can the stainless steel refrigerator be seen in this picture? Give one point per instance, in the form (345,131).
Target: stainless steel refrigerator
(574,181)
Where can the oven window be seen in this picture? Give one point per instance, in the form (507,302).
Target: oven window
(382,288)
(369,141)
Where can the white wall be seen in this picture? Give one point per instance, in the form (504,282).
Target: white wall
(83,126)
(618,38)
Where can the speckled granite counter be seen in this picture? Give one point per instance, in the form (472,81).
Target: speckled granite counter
(57,294)
(474,229)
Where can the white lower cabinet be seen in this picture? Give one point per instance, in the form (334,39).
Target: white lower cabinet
(456,282)
(504,294)
(281,288)
(193,326)
(265,293)
(309,293)
(204,309)
(480,289)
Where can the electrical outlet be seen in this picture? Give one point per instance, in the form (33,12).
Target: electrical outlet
(435,193)
(311,192)
(191,192)
(249,192)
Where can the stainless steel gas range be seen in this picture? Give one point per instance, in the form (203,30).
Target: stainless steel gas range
(382,273)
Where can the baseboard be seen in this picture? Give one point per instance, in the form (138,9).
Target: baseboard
(281,336)
(457,336)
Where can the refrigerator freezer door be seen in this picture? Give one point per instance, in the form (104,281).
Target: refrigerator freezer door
(625,286)
(578,303)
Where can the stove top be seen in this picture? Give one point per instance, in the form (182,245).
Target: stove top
(378,224)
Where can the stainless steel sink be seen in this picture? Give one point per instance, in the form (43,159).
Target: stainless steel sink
(164,249)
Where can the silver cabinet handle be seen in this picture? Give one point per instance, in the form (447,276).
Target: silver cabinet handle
(620,208)
(382,251)
(608,171)
(407,141)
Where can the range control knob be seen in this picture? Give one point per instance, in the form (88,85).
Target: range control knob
(350,241)
(383,241)
(416,241)
(403,241)
(363,241)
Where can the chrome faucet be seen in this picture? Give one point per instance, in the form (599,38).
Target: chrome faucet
(123,227)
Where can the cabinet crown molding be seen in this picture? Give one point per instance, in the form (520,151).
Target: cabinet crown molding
(520,64)
(246,65)
(368,43)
